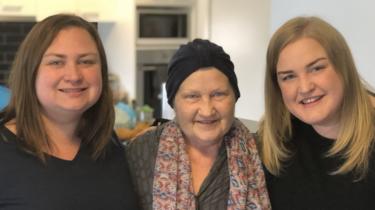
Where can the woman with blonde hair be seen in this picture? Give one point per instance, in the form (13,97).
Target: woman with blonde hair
(317,134)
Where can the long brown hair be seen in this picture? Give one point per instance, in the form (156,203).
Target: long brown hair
(356,135)
(96,124)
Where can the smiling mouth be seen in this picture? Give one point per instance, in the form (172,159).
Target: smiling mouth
(72,90)
(206,122)
(310,100)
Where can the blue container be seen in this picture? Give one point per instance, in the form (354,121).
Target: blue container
(4,96)
(130,112)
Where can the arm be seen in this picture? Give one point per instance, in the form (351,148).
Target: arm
(141,156)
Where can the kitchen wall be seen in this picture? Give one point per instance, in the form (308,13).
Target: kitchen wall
(119,41)
(242,28)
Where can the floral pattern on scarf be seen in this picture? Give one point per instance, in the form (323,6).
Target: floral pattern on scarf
(172,187)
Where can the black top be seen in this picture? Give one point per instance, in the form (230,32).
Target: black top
(306,184)
(80,184)
(142,152)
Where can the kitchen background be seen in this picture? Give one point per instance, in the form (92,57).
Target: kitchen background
(242,27)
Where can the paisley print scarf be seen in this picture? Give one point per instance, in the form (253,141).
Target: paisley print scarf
(172,187)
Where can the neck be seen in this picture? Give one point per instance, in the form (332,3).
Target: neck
(201,159)
(330,132)
(65,127)
(208,151)
(62,134)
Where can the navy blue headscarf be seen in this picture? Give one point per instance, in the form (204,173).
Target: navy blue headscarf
(193,56)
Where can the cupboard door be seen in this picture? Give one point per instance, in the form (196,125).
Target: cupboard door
(97,10)
(46,8)
(17,8)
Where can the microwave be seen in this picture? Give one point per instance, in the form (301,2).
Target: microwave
(163,25)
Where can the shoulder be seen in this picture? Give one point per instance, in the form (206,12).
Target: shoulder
(7,134)
(244,132)
(141,156)
(143,149)
(11,151)
(146,141)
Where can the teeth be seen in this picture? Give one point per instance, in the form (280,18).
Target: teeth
(310,100)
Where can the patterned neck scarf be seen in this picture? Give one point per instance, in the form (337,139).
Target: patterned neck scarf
(172,187)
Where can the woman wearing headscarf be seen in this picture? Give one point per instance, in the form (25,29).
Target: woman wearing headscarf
(205,158)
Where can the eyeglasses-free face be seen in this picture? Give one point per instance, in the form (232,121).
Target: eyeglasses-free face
(204,106)
(311,88)
(69,77)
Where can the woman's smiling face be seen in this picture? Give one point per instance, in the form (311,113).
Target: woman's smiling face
(311,88)
(69,75)
(204,106)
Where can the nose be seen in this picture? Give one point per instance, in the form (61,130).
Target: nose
(73,73)
(306,85)
(207,107)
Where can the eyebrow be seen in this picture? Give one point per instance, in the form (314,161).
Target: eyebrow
(316,61)
(63,56)
(54,54)
(308,66)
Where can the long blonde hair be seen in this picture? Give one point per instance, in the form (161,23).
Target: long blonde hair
(356,134)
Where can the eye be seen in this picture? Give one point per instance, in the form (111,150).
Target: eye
(55,62)
(218,94)
(317,68)
(87,61)
(191,96)
(286,77)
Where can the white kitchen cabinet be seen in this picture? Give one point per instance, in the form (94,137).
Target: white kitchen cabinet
(91,10)
(165,3)
(97,10)
(17,8)
(46,8)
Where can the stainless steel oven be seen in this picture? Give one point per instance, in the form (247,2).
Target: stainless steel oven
(151,74)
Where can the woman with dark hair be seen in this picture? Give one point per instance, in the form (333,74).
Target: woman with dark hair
(205,158)
(317,134)
(56,145)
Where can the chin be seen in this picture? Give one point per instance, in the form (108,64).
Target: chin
(210,139)
(311,120)
(78,110)
(77,107)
